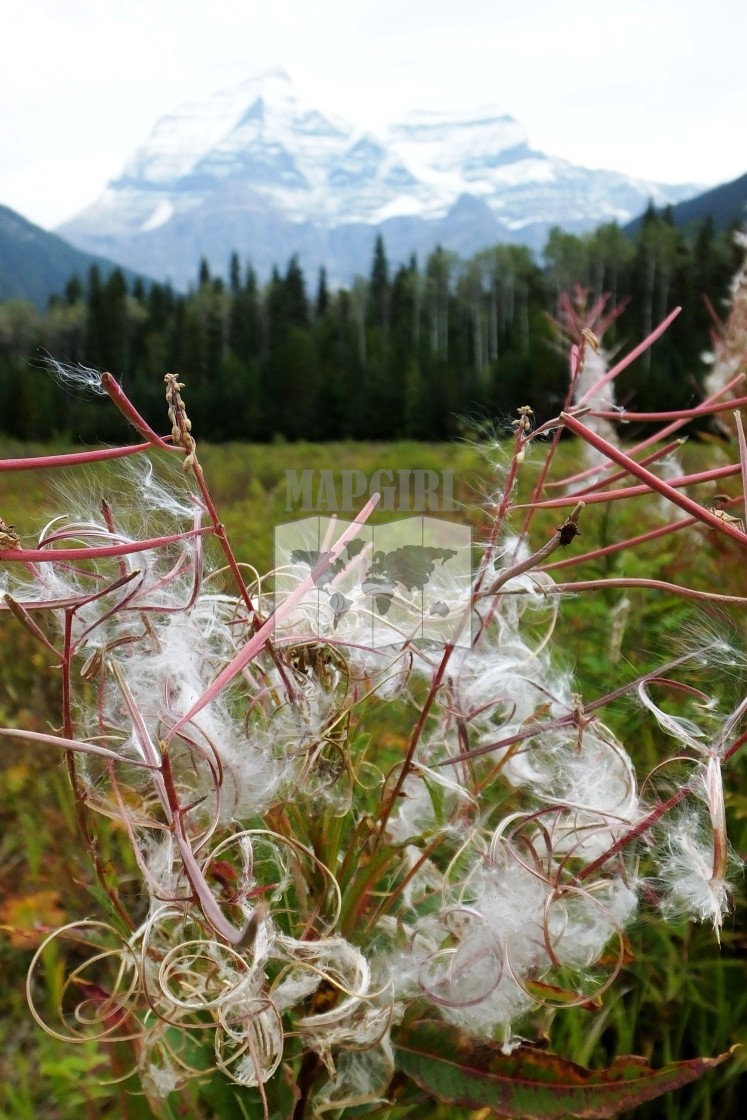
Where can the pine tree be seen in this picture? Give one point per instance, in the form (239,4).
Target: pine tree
(289,370)
(234,273)
(73,290)
(379,293)
(296,303)
(322,295)
(244,325)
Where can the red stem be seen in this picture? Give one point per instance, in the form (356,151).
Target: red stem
(70,459)
(415,738)
(130,413)
(619,546)
(633,833)
(96,553)
(677,414)
(650,480)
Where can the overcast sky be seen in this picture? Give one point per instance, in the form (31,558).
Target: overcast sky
(654,88)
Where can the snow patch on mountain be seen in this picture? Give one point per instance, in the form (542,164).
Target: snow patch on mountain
(256,155)
(163,212)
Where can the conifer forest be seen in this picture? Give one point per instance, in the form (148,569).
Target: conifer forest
(426,350)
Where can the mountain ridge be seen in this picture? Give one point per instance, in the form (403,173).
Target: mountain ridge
(256,169)
(36,264)
(725,205)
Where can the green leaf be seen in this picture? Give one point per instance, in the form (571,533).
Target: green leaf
(531,1083)
(235,1102)
(230,1101)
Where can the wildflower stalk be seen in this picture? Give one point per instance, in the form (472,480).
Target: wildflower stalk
(714,474)
(113,389)
(415,738)
(636,352)
(655,456)
(685,414)
(570,718)
(317,895)
(522,430)
(651,481)
(623,545)
(53,555)
(650,584)
(562,536)
(742,441)
(71,459)
(640,829)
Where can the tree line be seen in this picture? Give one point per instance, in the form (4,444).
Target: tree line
(421,351)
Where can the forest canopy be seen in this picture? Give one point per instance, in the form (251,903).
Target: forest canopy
(424,350)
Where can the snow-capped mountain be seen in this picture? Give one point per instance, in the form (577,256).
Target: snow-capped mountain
(256,169)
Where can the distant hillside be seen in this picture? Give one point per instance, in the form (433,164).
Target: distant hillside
(35,265)
(725,205)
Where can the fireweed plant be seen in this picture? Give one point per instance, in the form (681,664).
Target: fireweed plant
(325,920)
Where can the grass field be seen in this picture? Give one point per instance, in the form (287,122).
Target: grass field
(678,995)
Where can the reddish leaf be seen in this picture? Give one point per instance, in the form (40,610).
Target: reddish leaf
(531,1084)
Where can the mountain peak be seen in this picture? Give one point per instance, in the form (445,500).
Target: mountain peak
(258,148)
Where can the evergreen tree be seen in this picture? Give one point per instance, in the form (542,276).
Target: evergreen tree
(95,341)
(322,295)
(234,273)
(438,277)
(296,302)
(289,371)
(379,293)
(244,325)
(73,290)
